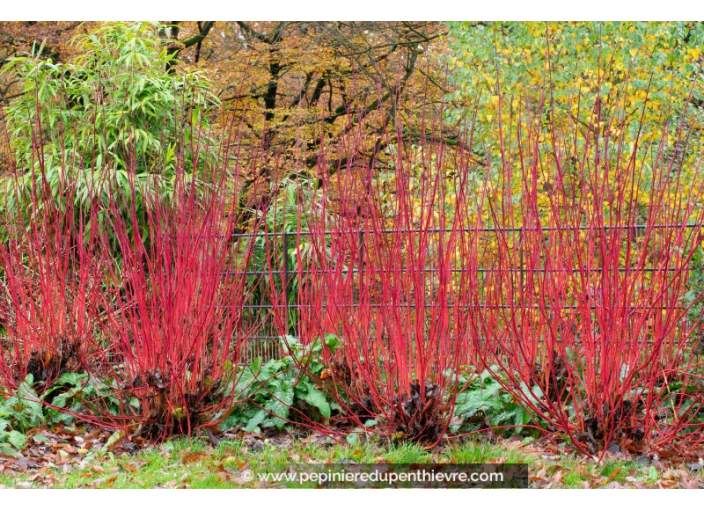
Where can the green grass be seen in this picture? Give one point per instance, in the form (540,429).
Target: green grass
(195,464)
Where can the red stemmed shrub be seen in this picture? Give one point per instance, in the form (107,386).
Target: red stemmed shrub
(581,314)
(50,283)
(384,275)
(179,329)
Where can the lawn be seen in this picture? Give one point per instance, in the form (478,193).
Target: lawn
(198,464)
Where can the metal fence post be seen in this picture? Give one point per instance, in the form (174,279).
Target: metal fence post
(284,283)
(520,256)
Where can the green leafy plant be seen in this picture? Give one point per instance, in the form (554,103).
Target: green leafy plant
(75,393)
(483,404)
(10,440)
(19,413)
(25,410)
(286,389)
(112,116)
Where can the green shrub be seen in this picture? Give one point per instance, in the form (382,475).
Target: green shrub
(483,404)
(275,388)
(25,410)
(112,115)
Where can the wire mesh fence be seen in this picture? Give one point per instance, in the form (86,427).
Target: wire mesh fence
(282,279)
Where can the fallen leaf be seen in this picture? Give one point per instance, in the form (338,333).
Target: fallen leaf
(193,457)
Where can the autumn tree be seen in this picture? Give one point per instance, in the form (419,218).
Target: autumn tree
(300,90)
(588,81)
(297,84)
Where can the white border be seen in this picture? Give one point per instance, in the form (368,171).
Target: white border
(649,10)
(294,499)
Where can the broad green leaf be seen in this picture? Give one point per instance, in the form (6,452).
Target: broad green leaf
(317,398)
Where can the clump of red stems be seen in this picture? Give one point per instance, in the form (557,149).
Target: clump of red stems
(580,314)
(384,276)
(181,327)
(50,282)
